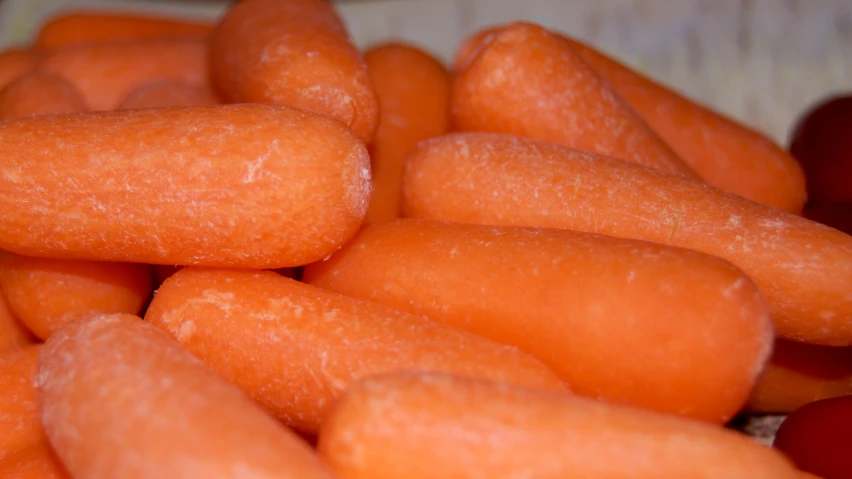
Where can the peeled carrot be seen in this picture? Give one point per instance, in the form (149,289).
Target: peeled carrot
(799,374)
(803,268)
(296,53)
(414,101)
(527,81)
(421,426)
(162,272)
(38,93)
(38,461)
(45,294)
(75,28)
(163,94)
(473,45)
(256,186)
(19,421)
(294,347)
(14,62)
(119,398)
(106,73)
(13,334)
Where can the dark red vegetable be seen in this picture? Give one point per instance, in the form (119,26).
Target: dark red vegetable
(817,437)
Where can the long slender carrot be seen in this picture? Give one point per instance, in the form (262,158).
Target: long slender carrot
(119,398)
(527,81)
(38,461)
(421,426)
(294,347)
(13,334)
(548,292)
(256,186)
(19,421)
(803,268)
(14,62)
(38,93)
(296,53)
(45,294)
(162,94)
(413,89)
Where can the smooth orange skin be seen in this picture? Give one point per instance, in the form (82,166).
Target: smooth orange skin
(14,62)
(803,268)
(38,461)
(430,426)
(38,93)
(13,334)
(163,94)
(253,186)
(19,419)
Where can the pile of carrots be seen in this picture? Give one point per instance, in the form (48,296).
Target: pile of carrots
(250,249)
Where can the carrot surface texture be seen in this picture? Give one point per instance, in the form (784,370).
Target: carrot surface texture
(13,334)
(804,269)
(424,426)
(38,461)
(119,398)
(37,93)
(294,347)
(19,420)
(256,186)
(296,53)
(163,94)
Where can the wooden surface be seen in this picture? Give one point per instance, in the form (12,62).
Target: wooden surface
(760,61)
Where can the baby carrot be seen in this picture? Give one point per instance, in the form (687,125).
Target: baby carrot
(527,81)
(705,321)
(19,420)
(798,374)
(13,334)
(45,294)
(39,93)
(256,186)
(424,426)
(75,28)
(119,398)
(38,461)
(296,53)
(294,347)
(14,62)
(163,94)
(803,268)
(162,272)
(106,73)
(414,100)
(472,45)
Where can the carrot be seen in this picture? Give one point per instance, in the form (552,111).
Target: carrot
(421,426)
(528,82)
(106,73)
(413,91)
(296,53)
(19,421)
(163,94)
(472,46)
(119,398)
(294,347)
(45,294)
(13,334)
(162,272)
(38,461)
(14,62)
(38,93)
(256,186)
(799,374)
(78,27)
(803,268)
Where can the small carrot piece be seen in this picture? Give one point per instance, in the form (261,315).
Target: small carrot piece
(13,334)
(77,27)
(19,421)
(294,347)
(106,73)
(119,398)
(14,62)
(37,93)
(256,186)
(526,81)
(45,294)
(296,53)
(472,45)
(424,426)
(162,94)
(798,374)
(38,461)
(804,269)
(413,89)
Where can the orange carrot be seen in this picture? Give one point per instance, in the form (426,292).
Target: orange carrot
(803,268)
(256,186)
(163,94)
(799,374)
(106,73)
(119,398)
(414,100)
(14,62)
(296,53)
(13,334)
(704,320)
(38,461)
(75,28)
(19,420)
(424,426)
(45,294)
(38,93)
(527,81)
(294,347)
(162,272)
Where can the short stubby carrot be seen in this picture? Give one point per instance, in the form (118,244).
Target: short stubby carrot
(19,421)
(106,73)
(38,93)
(549,292)
(38,461)
(14,62)
(45,294)
(162,94)
(798,374)
(256,186)
(119,398)
(526,81)
(804,269)
(425,426)
(413,88)
(13,334)
(296,53)
(294,347)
